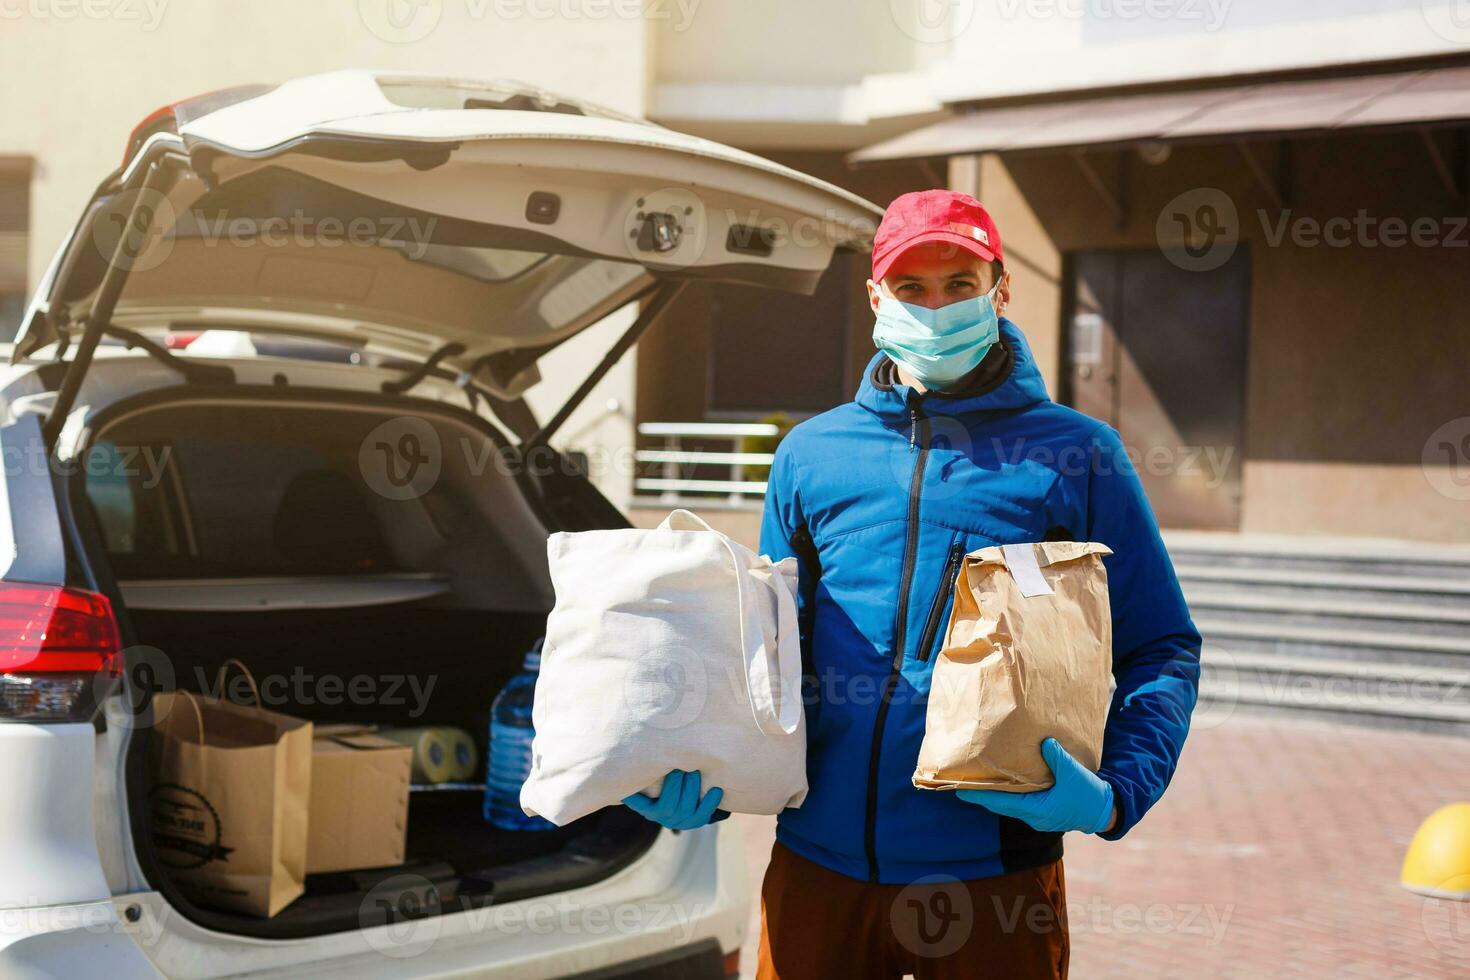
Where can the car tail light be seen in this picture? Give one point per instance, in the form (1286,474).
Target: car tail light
(59,652)
(168,119)
(180,340)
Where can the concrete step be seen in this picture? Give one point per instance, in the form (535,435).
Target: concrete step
(1331,614)
(1328,679)
(1223,699)
(1376,645)
(1402,696)
(1365,556)
(1376,588)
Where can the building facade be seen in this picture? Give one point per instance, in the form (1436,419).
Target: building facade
(1235,231)
(1270,308)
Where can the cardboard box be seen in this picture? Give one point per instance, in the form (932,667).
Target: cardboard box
(359,800)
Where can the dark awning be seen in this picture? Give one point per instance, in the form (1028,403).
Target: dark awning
(1271,108)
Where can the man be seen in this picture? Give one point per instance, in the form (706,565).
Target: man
(951,445)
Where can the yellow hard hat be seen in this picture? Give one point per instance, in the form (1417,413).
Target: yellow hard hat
(1438,861)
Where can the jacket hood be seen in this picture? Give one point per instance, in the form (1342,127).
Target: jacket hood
(1021,387)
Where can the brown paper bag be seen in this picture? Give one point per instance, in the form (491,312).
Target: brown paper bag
(228,800)
(1027,656)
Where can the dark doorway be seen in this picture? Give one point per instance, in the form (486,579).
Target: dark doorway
(773,351)
(1160,353)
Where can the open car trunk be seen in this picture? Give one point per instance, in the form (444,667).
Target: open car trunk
(257,533)
(456,229)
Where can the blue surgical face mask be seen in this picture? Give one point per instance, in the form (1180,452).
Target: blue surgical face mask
(939,346)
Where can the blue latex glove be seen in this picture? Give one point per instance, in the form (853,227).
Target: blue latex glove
(1079,800)
(678,806)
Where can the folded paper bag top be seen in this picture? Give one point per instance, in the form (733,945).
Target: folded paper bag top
(1027,656)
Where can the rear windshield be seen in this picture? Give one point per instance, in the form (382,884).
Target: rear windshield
(275,492)
(283,241)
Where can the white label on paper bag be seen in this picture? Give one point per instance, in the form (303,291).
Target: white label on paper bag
(1021,560)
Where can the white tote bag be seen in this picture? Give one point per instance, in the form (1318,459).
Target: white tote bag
(671,648)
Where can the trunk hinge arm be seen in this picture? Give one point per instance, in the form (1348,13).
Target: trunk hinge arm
(151,180)
(660,300)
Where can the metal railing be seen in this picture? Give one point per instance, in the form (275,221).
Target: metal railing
(673,484)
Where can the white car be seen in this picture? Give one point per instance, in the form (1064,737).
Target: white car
(344,486)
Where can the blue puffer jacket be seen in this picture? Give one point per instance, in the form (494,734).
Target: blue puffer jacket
(879,499)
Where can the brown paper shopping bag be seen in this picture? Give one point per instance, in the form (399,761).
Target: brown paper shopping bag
(228,798)
(1027,656)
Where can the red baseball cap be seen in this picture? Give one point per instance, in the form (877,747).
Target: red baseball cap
(934,216)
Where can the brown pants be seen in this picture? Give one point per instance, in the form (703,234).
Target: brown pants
(820,924)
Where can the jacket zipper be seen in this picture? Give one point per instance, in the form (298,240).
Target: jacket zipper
(805,547)
(918,436)
(946,586)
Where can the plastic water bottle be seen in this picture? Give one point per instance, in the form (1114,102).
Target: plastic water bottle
(510,749)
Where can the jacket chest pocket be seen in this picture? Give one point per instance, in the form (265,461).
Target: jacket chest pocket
(940,602)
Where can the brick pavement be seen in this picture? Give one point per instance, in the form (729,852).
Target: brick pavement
(1275,854)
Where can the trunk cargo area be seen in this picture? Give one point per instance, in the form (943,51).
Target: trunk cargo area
(260,535)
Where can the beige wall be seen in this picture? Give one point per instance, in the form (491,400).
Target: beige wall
(1032,258)
(1356,353)
(76,86)
(1036,46)
(781,42)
